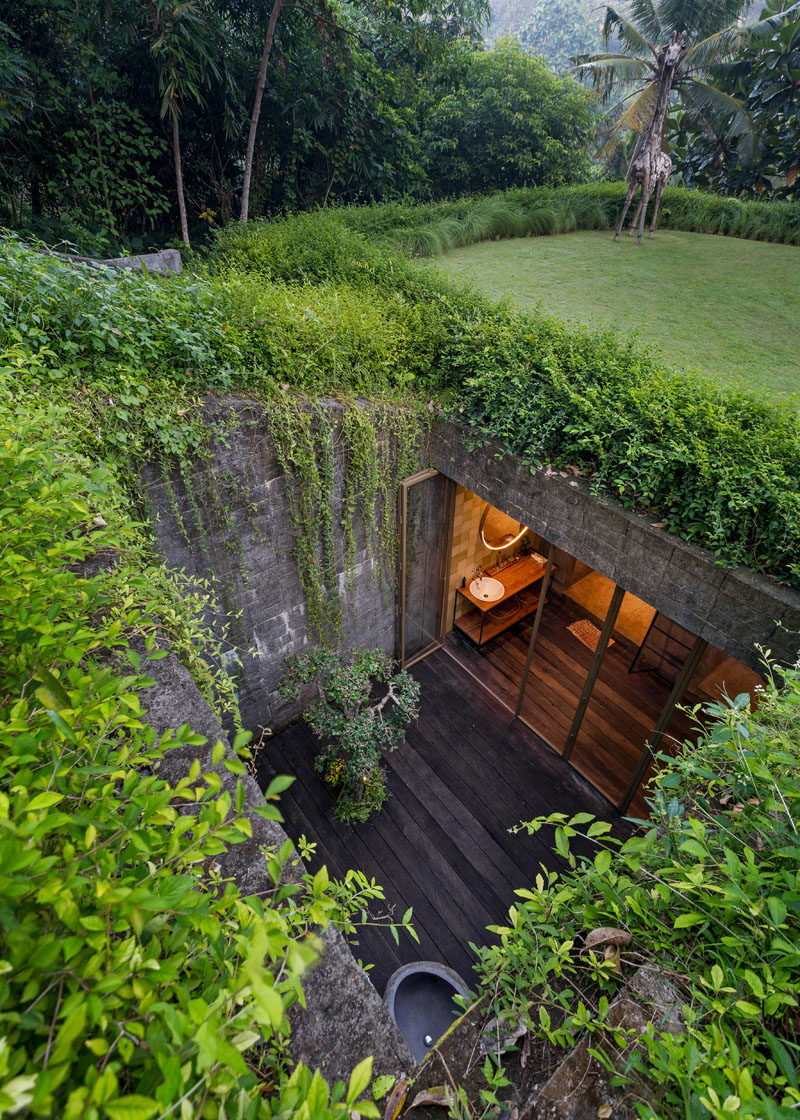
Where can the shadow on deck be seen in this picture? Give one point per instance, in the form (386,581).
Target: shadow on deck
(466,773)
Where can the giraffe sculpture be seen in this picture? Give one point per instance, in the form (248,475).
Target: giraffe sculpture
(650,167)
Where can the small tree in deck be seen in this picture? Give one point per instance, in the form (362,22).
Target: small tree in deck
(362,710)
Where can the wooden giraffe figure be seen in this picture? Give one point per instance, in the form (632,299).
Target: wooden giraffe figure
(650,167)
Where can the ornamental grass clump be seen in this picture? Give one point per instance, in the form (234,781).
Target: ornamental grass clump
(363,709)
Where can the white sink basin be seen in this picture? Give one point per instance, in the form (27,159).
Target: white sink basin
(487,588)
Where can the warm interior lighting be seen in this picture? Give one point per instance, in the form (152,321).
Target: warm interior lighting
(499,531)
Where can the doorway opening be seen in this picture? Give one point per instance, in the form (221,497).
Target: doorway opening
(595,671)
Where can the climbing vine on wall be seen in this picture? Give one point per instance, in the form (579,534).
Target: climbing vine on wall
(380,445)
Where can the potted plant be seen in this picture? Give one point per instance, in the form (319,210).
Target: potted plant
(362,709)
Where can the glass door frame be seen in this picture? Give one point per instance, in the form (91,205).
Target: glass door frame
(444,563)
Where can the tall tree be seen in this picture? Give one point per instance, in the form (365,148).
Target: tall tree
(715,31)
(277,6)
(182,44)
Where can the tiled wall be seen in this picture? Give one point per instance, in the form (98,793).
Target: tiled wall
(468,549)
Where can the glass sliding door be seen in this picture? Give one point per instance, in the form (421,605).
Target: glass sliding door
(426,515)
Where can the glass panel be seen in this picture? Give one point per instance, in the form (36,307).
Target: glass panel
(625,706)
(426,536)
(562,656)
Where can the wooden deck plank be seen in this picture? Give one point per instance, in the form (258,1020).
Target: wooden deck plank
(466,773)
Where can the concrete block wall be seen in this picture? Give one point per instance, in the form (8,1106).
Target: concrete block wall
(239,497)
(733,609)
(237,530)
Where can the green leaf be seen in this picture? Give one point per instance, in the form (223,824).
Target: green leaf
(44,800)
(359,1080)
(777,911)
(381,1085)
(277,786)
(51,693)
(602,861)
(683,921)
(133,1107)
(62,725)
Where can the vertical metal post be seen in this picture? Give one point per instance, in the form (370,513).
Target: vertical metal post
(654,738)
(535,631)
(447,555)
(594,669)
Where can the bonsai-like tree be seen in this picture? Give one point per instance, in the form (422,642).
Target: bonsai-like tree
(363,708)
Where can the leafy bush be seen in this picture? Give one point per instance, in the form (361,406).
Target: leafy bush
(352,720)
(719,467)
(708,893)
(135,982)
(500,118)
(318,304)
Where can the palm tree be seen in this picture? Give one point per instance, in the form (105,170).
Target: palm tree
(715,30)
(182,43)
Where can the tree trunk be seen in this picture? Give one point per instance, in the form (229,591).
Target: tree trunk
(262,81)
(176,151)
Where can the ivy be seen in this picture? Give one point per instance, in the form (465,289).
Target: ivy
(380,445)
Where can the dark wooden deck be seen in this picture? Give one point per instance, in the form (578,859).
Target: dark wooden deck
(467,772)
(622,711)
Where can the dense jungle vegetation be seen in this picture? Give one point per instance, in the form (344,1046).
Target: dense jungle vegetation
(134,983)
(117,948)
(124,125)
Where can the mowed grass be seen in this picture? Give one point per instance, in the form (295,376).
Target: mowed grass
(728,307)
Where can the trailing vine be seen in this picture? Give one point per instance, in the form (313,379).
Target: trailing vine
(380,445)
(303,436)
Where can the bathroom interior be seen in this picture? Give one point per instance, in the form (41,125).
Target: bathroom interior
(494,580)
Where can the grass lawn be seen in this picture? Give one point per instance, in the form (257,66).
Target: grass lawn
(728,307)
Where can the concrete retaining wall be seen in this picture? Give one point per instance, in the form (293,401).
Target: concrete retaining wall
(236,519)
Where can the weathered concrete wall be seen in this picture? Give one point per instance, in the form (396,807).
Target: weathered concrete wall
(733,609)
(235,516)
(345,1019)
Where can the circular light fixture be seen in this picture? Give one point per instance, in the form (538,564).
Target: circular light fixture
(499,531)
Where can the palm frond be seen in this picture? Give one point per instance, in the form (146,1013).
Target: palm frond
(632,40)
(636,117)
(699,18)
(645,15)
(728,115)
(722,45)
(608,70)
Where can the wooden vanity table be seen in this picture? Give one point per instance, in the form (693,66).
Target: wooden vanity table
(480,623)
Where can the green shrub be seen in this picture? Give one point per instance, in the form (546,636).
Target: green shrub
(135,982)
(318,304)
(351,719)
(708,893)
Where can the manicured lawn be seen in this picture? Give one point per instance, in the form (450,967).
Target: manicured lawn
(728,307)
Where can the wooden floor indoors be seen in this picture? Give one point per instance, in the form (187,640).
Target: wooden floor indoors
(466,773)
(622,711)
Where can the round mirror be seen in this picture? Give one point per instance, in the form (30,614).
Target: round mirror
(498,530)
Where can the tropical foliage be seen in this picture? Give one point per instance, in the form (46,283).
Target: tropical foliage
(716,36)
(496,119)
(706,895)
(362,709)
(765,79)
(314,303)
(135,981)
